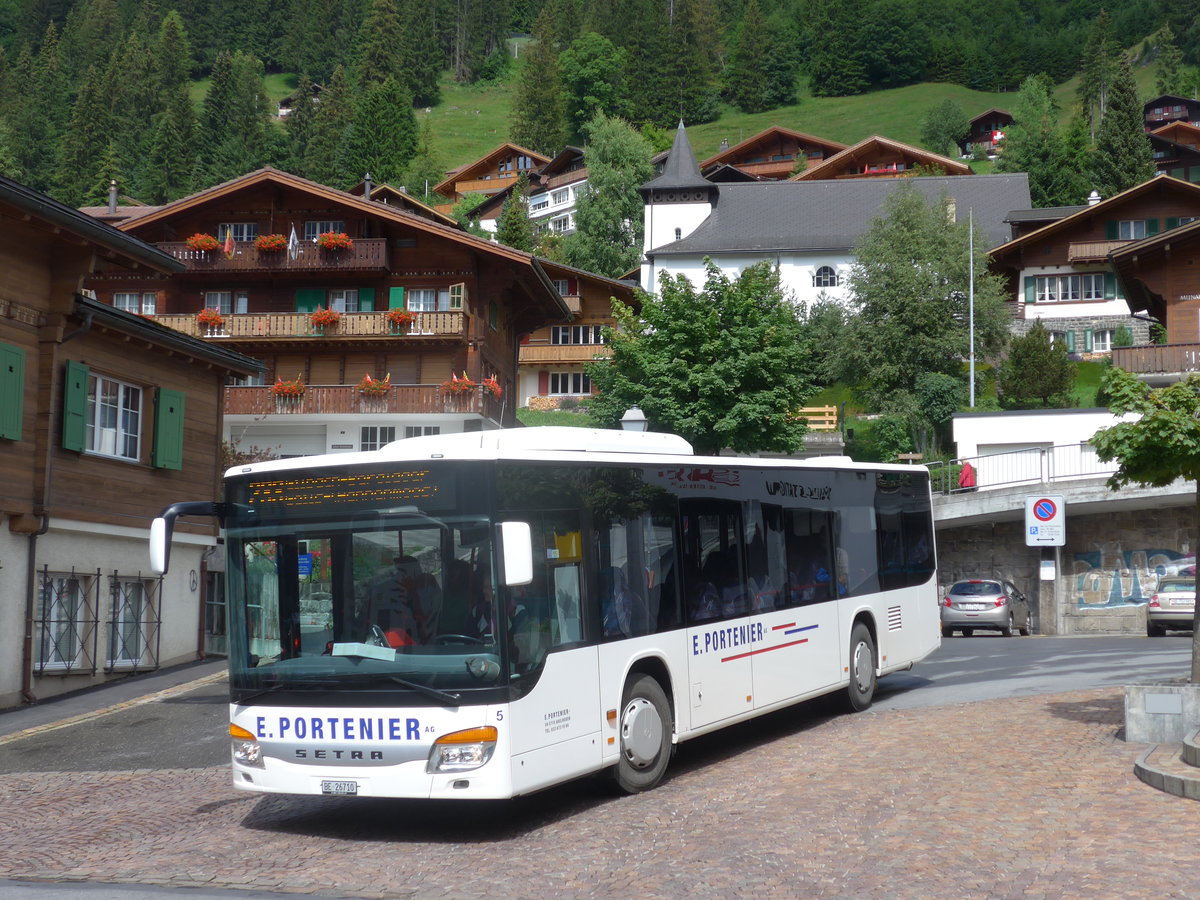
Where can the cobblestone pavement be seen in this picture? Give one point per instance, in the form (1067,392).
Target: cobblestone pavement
(1021,798)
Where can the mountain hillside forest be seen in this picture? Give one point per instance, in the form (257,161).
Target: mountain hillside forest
(170,96)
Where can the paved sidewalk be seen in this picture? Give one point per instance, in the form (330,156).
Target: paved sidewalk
(99,700)
(1031,797)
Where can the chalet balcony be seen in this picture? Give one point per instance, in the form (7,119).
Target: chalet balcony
(258,326)
(562,353)
(1158,360)
(1092,251)
(490,185)
(367,255)
(346,399)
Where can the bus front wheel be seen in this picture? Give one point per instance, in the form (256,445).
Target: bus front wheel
(862,668)
(645,726)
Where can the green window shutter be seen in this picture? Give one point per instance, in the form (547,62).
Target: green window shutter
(168,429)
(1172,222)
(1180,173)
(1111,230)
(1070,341)
(1151,227)
(1087,341)
(308,299)
(75,398)
(396,298)
(12,391)
(366,299)
(1030,289)
(1110,286)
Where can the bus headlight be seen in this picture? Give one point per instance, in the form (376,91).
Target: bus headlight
(461,751)
(246,749)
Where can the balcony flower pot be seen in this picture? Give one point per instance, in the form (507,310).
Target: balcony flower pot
(399,320)
(373,393)
(202,243)
(334,241)
(288,394)
(492,386)
(458,392)
(271,243)
(324,319)
(210,321)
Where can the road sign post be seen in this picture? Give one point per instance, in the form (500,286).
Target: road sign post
(1045,521)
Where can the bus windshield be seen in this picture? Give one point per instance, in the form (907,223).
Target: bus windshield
(367,581)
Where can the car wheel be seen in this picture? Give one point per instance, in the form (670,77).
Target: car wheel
(1027,629)
(947,631)
(967,632)
(1008,630)
(645,729)
(1153,630)
(861,691)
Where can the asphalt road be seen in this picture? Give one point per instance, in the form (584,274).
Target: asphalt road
(189,729)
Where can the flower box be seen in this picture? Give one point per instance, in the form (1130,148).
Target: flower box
(334,240)
(492,386)
(375,387)
(293,390)
(324,317)
(271,243)
(458,385)
(203,243)
(210,319)
(400,320)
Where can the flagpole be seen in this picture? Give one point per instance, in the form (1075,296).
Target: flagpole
(971,295)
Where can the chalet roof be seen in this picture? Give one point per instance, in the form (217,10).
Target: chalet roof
(562,160)
(1158,182)
(765,135)
(487,160)
(869,146)
(1045,214)
(994,111)
(724,173)
(393,196)
(679,169)
(831,215)
(1174,98)
(1173,130)
(624,286)
(382,211)
(163,336)
(73,221)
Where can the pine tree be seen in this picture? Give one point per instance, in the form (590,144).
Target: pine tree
(538,118)
(1123,157)
(692,75)
(746,75)
(382,138)
(172,155)
(324,161)
(426,168)
(172,54)
(234,119)
(421,58)
(648,99)
(1099,67)
(1169,79)
(133,79)
(514,228)
(1036,374)
(837,65)
(382,38)
(9,167)
(92,27)
(84,141)
(299,126)
(40,118)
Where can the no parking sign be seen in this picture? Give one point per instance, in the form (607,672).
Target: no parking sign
(1045,521)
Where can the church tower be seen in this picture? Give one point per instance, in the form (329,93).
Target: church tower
(676,202)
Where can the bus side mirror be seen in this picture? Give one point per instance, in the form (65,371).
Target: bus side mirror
(160,546)
(517,545)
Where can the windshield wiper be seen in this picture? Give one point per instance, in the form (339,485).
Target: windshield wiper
(448,699)
(283,685)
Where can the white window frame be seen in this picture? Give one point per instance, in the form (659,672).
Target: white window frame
(1091,286)
(129,635)
(538,203)
(64,619)
(372,437)
(144,303)
(344,300)
(1131,229)
(560,196)
(221,301)
(317,226)
(114,418)
(1102,341)
(421,300)
(243,232)
(412,431)
(569,384)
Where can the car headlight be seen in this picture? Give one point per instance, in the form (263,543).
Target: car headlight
(461,751)
(246,749)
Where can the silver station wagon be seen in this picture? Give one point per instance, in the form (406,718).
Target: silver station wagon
(1172,605)
(986,603)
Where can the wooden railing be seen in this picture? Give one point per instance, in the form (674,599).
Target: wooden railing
(1084,251)
(820,418)
(291,325)
(367,253)
(1158,359)
(318,399)
(486,185)
(563,353)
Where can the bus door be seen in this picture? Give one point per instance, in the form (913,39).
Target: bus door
(717,606)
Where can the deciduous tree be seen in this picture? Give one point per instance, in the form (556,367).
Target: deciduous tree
(1161,446)
(591,78)
(943,126)
(720,366)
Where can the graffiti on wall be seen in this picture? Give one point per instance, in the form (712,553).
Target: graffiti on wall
(1111,576)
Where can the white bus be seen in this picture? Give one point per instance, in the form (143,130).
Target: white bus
(484,615)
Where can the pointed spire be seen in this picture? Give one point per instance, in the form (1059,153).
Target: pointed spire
(680,170)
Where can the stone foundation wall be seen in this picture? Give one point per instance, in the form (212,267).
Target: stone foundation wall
(1139,327)
(1109,566)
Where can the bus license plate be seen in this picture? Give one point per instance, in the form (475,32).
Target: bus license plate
(340,788)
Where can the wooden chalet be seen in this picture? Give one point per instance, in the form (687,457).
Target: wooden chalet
(106,417)
(553,192)
(402,199)
(1176,150)
(1065,272)
(880,157)
(1167,108)
(489,174)
(986,131)
(773,154)
(416,302)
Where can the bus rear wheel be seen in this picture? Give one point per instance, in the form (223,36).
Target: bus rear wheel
(861,691)
(645,726)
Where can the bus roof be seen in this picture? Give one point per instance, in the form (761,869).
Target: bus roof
(541,443)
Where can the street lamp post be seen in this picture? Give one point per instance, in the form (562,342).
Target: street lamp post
(634,419)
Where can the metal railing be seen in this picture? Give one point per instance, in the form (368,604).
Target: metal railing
(1033,466)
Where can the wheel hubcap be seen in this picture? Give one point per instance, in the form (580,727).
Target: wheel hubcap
(641,733)
(862,666)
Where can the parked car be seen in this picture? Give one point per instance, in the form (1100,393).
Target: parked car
(1172,605)
(985,603)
